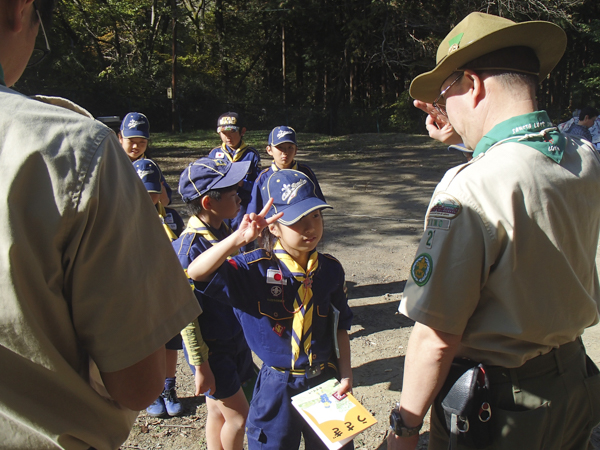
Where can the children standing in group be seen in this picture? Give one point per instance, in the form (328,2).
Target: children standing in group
(282,146)
(134,137)
(234,149)
(148,171)
(209,188)
(283,297)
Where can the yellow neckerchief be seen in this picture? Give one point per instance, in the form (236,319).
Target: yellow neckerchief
(162,213)
(303,305)
(197,226)
(275,168)
(237,154)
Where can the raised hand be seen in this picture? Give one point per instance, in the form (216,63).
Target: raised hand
(438,126)
(252,224)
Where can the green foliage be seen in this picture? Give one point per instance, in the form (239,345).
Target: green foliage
(332,66)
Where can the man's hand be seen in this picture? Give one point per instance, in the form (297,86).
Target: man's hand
(205,380)
(438,126)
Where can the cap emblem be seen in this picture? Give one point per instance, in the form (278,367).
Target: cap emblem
(144,173)
(291,190)
(454,43)
(134,123)
(283,133)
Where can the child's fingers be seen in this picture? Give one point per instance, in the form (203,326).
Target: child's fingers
(274,218)
(266,208)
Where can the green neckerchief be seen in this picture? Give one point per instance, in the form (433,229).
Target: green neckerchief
(275,168)
(2,76)
(533,129)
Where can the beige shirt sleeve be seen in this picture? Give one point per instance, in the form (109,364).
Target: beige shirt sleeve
(125,285)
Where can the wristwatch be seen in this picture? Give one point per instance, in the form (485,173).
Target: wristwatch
(398,427)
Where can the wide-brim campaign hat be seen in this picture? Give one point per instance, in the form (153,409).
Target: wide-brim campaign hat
(206,174)
(293,194)
(479,34)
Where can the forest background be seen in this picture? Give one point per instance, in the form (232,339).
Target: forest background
(326,66)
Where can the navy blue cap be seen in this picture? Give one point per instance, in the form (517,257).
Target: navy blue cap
(206,174)
(282,134)
(293,194)
(135,125)
(230,121)
(150,174)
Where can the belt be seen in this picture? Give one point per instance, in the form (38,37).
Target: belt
(309,372)
(558,359)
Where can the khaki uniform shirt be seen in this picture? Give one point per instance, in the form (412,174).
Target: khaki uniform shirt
(83,264)
(508,255)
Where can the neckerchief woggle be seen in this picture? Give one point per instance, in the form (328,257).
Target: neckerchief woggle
(303,304)
(276,168)
(234,155)
(162,213)
(533,129)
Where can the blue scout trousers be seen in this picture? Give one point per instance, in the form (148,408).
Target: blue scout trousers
(273,423)
(551,402)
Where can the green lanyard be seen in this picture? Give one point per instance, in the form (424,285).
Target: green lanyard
(533,129)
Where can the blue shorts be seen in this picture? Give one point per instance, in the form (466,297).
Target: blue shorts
(273,423)
(231,363)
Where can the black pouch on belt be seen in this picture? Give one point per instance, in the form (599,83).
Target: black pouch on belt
(466,404)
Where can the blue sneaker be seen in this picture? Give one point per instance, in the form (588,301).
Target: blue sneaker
(171,402)
(157,409)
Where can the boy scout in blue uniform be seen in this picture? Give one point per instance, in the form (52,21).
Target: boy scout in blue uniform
(148,171)
(209,189)
(282,147)
(234,149)
(283,299)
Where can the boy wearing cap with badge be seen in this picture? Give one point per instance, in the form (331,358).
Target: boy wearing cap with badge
(133,136)
(167,403)
(282,147)
(209,188)
(283,296)
(234,149)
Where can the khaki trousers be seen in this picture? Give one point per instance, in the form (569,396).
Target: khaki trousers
(551,402)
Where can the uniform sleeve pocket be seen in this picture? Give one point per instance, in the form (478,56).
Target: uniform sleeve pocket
(520,429)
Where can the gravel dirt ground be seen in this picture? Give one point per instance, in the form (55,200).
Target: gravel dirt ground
(379,186)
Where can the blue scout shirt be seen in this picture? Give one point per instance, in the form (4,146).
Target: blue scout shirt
(217,321)
(262,290)
(256,202)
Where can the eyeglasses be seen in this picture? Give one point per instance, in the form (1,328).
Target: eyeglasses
(38,54)
(441,108)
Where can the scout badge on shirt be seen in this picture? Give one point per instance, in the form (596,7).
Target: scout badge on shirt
(445,206)
(275,277)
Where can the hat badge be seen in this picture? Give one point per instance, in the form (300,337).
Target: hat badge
(134,123)
(454,43)
(291,190)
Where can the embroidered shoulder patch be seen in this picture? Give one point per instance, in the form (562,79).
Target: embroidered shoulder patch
(421,269)
(445,206)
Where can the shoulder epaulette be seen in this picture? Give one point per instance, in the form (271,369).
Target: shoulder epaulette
(327,255)
(257,255)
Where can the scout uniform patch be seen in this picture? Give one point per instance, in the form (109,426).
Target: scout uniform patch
(445,206)
(421,269)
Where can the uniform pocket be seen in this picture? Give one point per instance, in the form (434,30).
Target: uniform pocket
(520,429)
(592,384)
(323,310)
(256,436)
